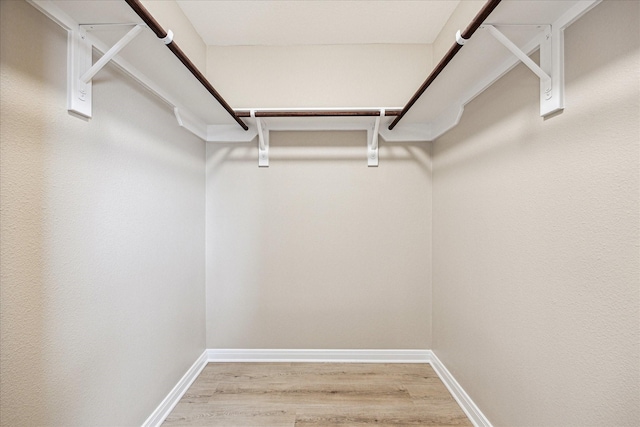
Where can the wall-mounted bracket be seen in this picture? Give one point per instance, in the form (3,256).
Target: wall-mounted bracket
(263,141)
(551,68)
(81,70)
(120,44)
(191,123)
(78,62)
(372,141)
(80,43)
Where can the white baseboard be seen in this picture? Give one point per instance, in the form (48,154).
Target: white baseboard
(318,356)
(340,356)
(163,410)
(474,414)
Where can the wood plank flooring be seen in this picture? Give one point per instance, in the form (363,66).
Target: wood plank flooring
(317,395)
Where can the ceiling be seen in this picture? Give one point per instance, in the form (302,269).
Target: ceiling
(314,22)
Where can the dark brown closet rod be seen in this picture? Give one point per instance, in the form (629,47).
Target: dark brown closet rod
(468,32)
(173,47)
(317,113)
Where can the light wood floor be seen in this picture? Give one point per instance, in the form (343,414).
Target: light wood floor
(317,394)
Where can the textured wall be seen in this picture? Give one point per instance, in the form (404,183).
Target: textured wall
(318,250)
(102,247)
(536,237)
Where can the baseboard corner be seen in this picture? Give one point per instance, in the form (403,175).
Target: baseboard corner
(477,418)
(165,407)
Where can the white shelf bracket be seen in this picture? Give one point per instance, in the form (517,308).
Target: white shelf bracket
(372,141)
(120,44)
(81,70)
(78,61)
(263,141)
(550,71)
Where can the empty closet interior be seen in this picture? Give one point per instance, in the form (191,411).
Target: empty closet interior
(445,182)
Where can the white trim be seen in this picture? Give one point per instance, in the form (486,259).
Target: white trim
(468,406)
(163,410)
(341,356)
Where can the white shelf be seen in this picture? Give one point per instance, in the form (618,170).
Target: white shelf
(483,59)
(479,63)
(145,58)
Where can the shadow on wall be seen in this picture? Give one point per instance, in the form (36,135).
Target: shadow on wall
(322,146)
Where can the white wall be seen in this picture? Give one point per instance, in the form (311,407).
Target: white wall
(318,250)
(171,17)
(459,20)
(536,236)
(338,76)
(102,247)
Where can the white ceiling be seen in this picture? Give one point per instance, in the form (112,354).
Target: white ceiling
(304,22)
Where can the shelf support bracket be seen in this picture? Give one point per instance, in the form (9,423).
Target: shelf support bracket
(372,141)
(81,70)
(550,71)
(78,60)
(120,44)
(263,141)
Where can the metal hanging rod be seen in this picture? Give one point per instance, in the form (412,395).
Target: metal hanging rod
(167,38)
(460,41)
(316,113)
